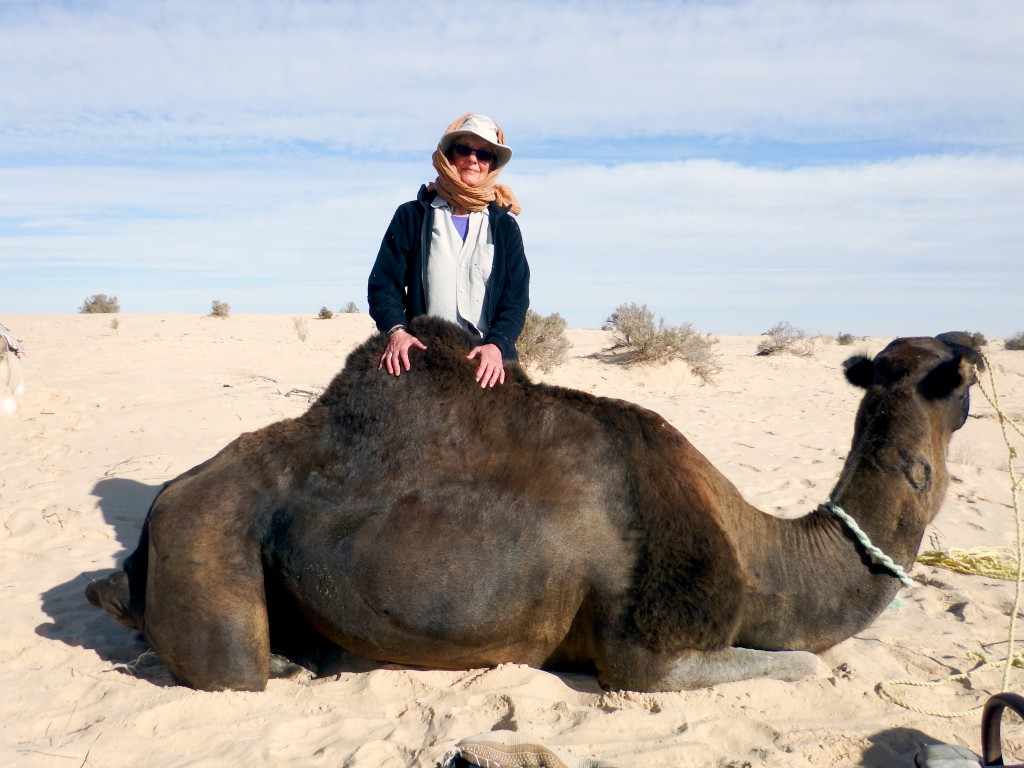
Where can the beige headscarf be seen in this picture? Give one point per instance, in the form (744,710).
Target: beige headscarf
(449,186)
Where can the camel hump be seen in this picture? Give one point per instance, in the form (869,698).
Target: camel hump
(444,361)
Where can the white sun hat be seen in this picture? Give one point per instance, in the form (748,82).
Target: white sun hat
(484,128)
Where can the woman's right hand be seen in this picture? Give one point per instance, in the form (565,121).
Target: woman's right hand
(396,354)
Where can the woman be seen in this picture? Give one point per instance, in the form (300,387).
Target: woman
(455,252)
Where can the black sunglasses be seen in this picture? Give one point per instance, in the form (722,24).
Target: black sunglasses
(483,155)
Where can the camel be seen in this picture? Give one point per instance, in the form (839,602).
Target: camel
(424,521)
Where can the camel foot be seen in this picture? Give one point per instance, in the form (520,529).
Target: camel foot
(281,667)
(705,669)
(113,595)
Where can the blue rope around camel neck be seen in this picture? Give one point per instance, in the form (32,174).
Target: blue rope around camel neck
(879,556)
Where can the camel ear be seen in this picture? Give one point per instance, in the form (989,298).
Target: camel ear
(946,377)
(860,371)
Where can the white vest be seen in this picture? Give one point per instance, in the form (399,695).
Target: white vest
(457,271)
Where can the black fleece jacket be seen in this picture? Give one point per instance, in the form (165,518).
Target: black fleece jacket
(396,290)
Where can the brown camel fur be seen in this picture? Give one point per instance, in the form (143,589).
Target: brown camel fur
(426,521)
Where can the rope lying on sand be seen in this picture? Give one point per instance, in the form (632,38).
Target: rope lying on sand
(993,562)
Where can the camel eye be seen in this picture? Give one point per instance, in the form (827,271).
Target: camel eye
(965,408)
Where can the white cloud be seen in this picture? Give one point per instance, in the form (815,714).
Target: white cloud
(933,241)
(368,76)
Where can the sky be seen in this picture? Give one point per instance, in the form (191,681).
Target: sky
(852,167)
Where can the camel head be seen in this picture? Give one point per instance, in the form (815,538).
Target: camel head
(938,371)
(917,393)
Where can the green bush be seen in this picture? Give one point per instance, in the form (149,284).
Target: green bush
(636,339)
(220,309)
(543,344)
(783,337)
(99,303)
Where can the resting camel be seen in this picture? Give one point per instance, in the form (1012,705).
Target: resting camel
(425,521)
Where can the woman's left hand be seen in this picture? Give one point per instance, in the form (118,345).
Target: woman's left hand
(492,369)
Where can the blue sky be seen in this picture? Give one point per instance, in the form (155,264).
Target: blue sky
(842,166)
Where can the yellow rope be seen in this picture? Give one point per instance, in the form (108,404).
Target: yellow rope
(993,562)
(1000,563)
(1016,660)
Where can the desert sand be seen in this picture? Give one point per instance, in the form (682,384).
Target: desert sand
(112,413)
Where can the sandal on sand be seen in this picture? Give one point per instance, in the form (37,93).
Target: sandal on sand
(949,756)
(508,749)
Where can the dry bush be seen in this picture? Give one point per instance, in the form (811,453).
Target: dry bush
(299,323)
(783,337)
(325,313)
(637,339)
(1015,342)
(99,303)
(219,309)
(543,344)
(351,308)
(845,339)
(978,339)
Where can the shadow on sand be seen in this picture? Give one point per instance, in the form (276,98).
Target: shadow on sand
(895,748)
(124,504)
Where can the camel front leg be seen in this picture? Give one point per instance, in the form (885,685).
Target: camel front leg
(703,669)
(632,667)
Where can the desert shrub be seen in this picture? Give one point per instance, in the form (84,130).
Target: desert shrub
(543,344)
(637,339)
(325,313)
(978,339)
(1015,342)
(299,323)
(99,303)
(220,309)
(633,328)
(845,339)
(114,325)
(783,337)
(351,308)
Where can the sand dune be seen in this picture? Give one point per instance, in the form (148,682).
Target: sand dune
(110,414)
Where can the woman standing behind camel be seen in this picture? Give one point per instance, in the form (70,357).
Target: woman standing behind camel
(455,252)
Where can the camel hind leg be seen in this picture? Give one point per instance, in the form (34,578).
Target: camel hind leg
(207,621)
(205,608)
